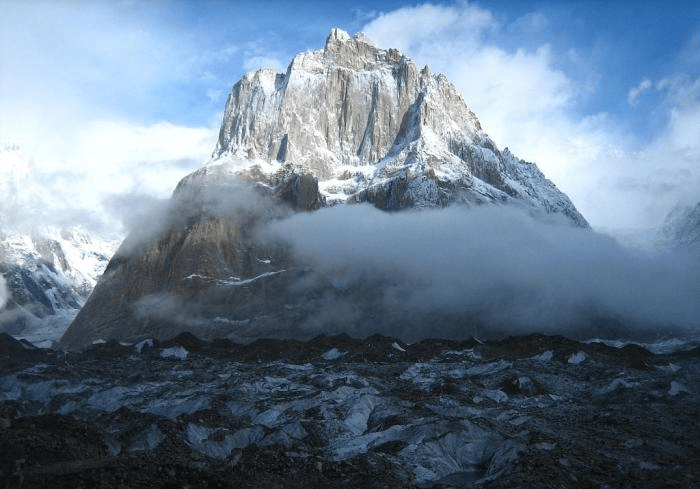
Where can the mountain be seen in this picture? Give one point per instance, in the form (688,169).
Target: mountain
(46,273)
(681,227)
(347,124)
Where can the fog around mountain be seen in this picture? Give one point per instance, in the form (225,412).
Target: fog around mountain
(510,269)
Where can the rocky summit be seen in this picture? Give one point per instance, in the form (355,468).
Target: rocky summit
(347,124)
(370,126)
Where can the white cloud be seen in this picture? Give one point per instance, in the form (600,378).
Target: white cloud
(108,158)
(526,103)
(120,158)
(681,90)
(425,28)
(635,92)
(64,65)
(214,95)
(558,278)
(62,48)
(222,55)
(256,62)
(532,21)
(362,15)
(79,86)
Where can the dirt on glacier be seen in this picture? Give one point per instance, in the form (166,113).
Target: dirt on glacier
(532,411)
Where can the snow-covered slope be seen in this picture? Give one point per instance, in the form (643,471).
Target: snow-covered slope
(681,228)
(46,272)
(371,126)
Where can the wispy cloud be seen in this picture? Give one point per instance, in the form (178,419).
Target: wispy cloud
(635,92)
(682,91)
(82,91)
(106,159)
(256,62)
(258,54)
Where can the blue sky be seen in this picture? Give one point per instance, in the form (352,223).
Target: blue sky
(124,98)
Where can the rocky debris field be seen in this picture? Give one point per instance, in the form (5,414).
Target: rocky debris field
(533,411)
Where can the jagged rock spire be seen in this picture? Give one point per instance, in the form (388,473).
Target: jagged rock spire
(349,103)
(362,120)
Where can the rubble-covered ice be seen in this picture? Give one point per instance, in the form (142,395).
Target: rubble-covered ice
(504,414)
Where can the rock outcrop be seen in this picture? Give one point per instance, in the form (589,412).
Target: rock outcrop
(346,124)
(533,411)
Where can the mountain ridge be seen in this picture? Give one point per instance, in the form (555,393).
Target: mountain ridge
(371,126)
(46,278)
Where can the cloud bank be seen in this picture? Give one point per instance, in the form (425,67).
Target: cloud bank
(111,163)
(498,266)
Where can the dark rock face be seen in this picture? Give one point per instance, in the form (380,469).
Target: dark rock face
(184,277)
(532,411)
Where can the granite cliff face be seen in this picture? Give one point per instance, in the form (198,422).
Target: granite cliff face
(347,124)
(371,126)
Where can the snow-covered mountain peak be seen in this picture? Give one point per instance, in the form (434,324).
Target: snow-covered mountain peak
(369,125)
(337,36)
(357,53)
(348,123)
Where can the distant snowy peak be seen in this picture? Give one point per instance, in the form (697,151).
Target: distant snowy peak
(368,125)
(73,252)
(45,278)
(681,226)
